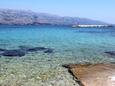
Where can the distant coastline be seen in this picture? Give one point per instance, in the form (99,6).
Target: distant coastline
(20,17)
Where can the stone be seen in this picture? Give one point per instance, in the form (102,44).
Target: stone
(48,50)
(23,50)
(93,74)
(32,49)
(111,53)
(36,49)
(24,47)
(1,50)
(13,53)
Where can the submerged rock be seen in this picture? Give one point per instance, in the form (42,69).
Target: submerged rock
(22,47)
(32,49)
(93,74)
(36,49)
(111,53)
(48,50)
(1,50)
(23,50)
(13,53)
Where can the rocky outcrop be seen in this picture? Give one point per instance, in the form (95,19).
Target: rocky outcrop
(93,74)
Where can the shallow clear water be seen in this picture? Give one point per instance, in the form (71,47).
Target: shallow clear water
(71,45)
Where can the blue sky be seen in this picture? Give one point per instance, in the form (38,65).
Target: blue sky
(95,9)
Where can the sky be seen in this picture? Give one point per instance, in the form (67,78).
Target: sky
(103,10)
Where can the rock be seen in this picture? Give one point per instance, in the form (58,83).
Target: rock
(111,53)
(23,50)
(24,47)
(48,50)
(36,49)
(32,49)
(1,50)
(93,74)
(13,53)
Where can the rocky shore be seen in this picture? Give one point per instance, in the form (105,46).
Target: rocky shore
(93,74)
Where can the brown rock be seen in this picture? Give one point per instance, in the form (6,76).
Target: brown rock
(94,74)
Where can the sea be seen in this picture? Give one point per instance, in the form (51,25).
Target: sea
(69,45)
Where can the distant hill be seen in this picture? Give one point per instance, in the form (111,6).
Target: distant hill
(20,17)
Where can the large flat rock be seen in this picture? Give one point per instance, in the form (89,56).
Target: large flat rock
(94,74)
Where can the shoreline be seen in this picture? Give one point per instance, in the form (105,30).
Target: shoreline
(93,26)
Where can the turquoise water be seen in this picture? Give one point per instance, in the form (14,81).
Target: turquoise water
(71,45)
